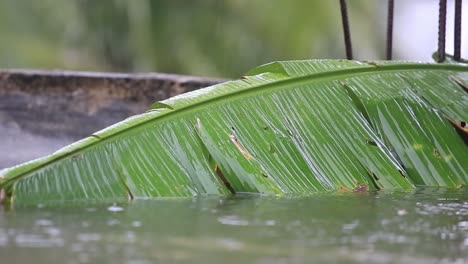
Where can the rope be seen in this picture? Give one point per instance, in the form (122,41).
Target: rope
(347,34)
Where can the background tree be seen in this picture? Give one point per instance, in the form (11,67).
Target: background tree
(222,38)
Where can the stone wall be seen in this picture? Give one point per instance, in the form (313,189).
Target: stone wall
(41,111)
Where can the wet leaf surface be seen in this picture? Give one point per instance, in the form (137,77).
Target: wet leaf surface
(298,127)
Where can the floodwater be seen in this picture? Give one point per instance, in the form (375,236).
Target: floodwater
(424,226)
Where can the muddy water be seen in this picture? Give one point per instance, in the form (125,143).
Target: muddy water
(426,226)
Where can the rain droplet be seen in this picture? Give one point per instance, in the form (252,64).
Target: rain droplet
(136,224)
(232,220)
(115,208)
(43,222)
(402,212)
(113,222)
(463,225)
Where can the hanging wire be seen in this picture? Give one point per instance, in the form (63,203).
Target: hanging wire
(442,22)
(347,34)
(457,31)
(390,29)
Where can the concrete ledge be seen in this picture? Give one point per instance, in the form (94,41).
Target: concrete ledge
(41,111)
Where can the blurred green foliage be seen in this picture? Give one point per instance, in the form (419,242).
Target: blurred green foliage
(223,38)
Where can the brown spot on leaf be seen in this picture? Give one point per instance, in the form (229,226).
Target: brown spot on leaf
(461,128)
(224,180)
(239,146)
(436,153)
(361,188)
(342,189)
(2,195)
(371,142)
(77,157)
(461,84)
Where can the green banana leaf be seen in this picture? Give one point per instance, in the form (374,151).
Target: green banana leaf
(297,127)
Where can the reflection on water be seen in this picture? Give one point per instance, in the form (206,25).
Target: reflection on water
(427,226)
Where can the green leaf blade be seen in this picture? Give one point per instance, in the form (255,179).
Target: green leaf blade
(286,128)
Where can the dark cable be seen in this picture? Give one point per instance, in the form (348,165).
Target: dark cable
(347,34)
(442,21)
(390,29)
(457,31)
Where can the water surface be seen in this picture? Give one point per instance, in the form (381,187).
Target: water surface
(426,226)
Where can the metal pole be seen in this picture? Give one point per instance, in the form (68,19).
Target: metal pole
(347,34)
(442,22)
(390,29)
(457,31)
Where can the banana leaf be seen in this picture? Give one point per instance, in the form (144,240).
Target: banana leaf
(285,128)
